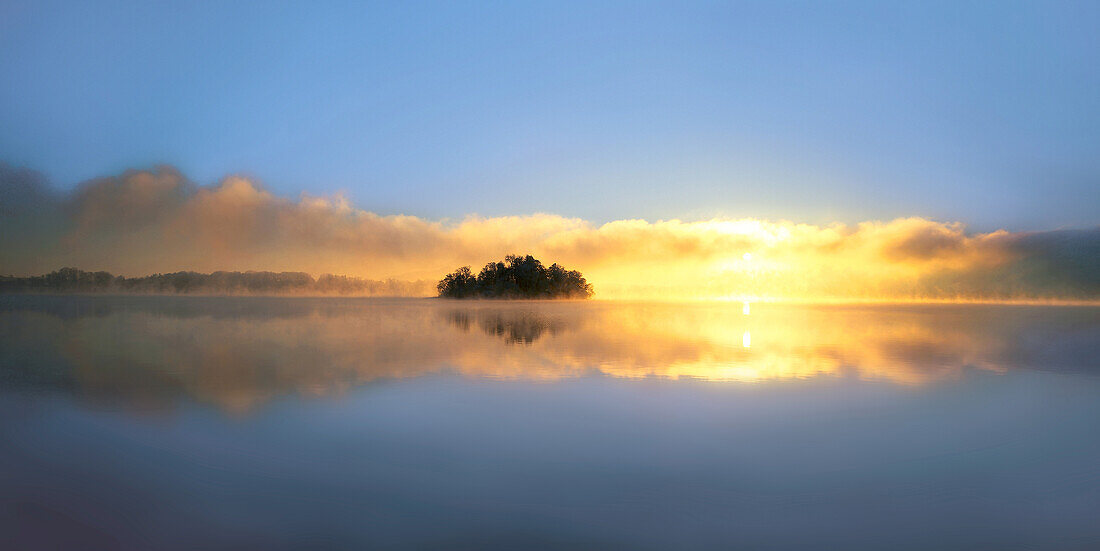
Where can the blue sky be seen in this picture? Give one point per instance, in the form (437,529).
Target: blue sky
(986,113)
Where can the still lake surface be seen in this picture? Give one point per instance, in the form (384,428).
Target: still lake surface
(271,423)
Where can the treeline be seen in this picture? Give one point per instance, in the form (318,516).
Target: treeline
(517,277)
(72,280)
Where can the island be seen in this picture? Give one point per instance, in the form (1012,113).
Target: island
(517,277)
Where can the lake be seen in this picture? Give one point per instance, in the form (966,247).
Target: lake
(148,422)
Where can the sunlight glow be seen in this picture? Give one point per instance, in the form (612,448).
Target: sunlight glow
(238,226)
(543,342)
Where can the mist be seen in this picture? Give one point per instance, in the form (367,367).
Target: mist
(153,221)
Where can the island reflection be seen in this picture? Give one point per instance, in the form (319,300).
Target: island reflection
(238,353)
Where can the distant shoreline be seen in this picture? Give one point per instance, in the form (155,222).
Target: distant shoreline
(74,280)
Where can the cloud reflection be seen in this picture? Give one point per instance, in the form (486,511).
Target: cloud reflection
(238,353)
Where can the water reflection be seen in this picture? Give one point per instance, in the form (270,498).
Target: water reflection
(237,353)
(516,327)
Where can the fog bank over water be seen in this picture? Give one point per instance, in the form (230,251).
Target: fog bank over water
(143,222)
(72,280)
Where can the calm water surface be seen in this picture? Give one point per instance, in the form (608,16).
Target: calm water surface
(260,423)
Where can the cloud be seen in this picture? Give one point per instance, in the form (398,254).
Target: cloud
(150,221)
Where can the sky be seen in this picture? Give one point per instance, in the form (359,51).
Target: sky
(863,151)
(984,113)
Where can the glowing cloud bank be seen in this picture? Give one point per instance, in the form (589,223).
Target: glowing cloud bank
(157,221)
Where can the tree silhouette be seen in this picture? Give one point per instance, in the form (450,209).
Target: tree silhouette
(515,277)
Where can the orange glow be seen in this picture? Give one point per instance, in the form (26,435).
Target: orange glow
(142,223)
(318,346)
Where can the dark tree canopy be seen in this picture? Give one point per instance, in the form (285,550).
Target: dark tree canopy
(517,277)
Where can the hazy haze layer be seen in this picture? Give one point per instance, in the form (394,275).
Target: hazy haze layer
(144,222)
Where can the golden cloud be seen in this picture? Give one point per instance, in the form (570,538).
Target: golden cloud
(156,221)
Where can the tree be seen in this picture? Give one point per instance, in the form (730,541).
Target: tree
(515,277)
(459,284)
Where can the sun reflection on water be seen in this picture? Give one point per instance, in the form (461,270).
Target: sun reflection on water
(241,352)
